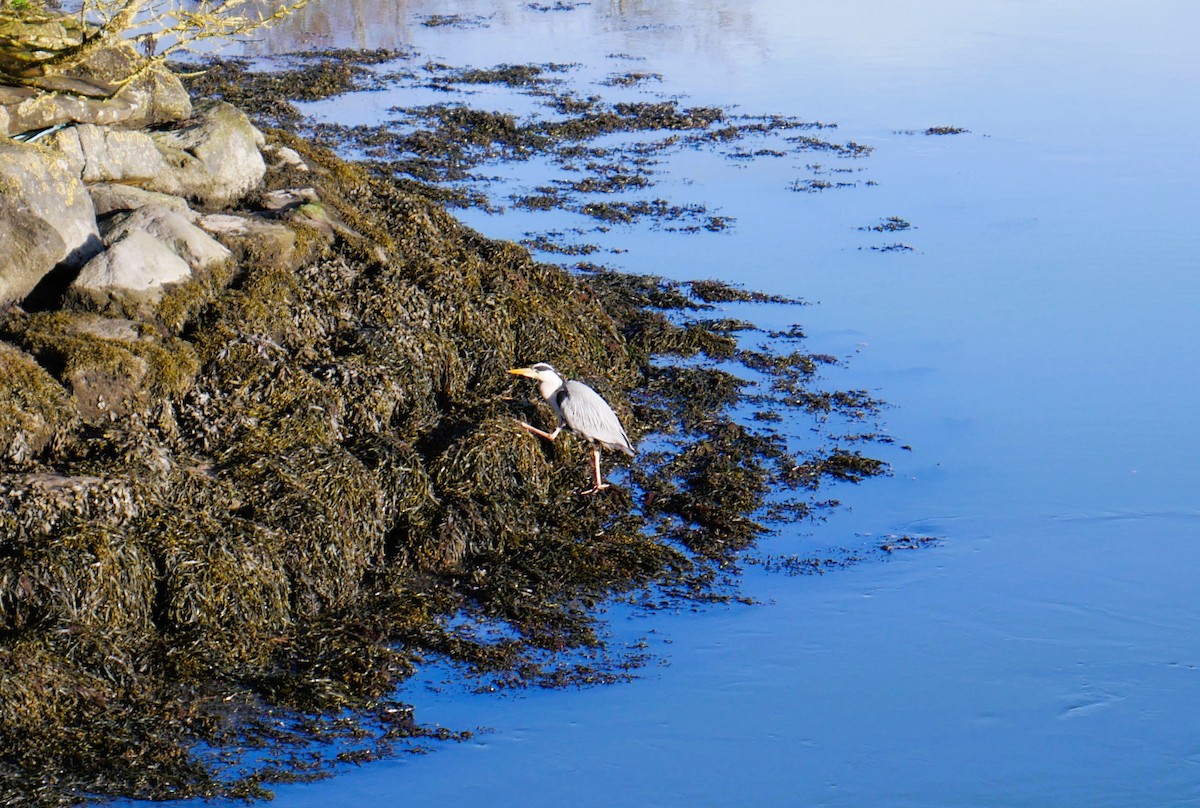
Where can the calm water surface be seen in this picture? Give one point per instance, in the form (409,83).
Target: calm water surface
(1039,343)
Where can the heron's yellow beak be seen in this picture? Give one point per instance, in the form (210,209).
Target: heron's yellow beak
(523,372)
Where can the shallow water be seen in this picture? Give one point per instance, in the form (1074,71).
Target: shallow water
(1038,343)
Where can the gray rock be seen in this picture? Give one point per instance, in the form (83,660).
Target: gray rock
(39,182)
(132,273)
(10,95)
(43,110)
(32,247)
(109,197)
(282,157)
(288,199)
(253,237)
(116,328)
(200,250)
(89,94)
(101,154)
(157,96)
(214,160)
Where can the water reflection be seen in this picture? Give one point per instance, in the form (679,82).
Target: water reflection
(1034,342)
(714,26)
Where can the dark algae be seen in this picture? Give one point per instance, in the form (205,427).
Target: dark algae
(228,534)
(447,148)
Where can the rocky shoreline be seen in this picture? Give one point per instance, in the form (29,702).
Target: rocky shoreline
(258,455)
(228,420)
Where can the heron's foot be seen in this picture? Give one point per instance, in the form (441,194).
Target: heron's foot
(595,489)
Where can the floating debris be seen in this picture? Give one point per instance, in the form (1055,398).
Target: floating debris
(946,130)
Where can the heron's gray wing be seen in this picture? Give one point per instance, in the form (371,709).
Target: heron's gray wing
(588,414)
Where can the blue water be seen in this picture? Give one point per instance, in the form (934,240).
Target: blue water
(1039,344)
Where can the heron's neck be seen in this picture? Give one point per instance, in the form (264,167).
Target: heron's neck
(548,387)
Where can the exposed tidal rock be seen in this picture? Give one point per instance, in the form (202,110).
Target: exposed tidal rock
(38,183)
(34,407)
(200,250)
(101,154)
(132,275)
(38,110)
(287,199)
(156,94)
(213,159)
(109,366)
(30,246)
(111,197)
(253,237)
(283,157)
(99,92)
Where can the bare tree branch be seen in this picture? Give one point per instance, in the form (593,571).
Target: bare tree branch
(160,27)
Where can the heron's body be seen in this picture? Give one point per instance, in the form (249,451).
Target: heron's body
(579,409)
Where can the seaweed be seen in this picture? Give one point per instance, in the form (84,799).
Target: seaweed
(444,145)
(229,535)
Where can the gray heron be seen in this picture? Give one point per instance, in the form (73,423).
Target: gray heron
(581,410)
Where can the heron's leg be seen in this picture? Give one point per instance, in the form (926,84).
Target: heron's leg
(600,484)
(536,431)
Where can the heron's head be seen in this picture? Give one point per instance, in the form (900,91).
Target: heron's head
(549,382)
(542,372)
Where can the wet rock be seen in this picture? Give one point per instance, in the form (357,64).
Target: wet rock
(39,183)
(113,197)
(99,391)
(101,154)
(214,160)
(131,275)
(110,365)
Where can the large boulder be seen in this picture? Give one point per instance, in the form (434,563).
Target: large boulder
(102,154)
(111,197)
(31,247)
(132,275)
(38,184)
(99,91)
(159,266)
(200,250)
(154,95)
(213,160)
